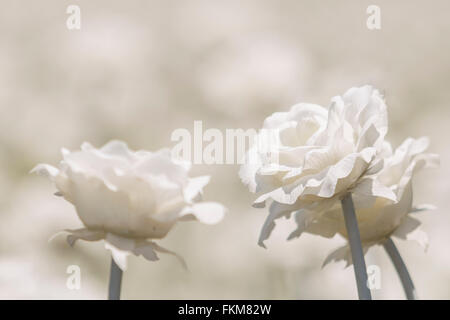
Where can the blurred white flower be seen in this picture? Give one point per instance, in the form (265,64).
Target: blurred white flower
(321,155)
(384,218)
(129,198)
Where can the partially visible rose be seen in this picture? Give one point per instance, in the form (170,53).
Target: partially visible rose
(321,155)
(383,218)
(129,198)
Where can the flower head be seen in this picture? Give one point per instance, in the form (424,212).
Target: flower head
(129,198)
(321,155)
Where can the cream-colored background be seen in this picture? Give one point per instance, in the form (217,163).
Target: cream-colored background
(137,70)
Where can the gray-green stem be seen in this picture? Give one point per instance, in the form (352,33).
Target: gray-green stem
(354,239)
(115,281)
(402,271)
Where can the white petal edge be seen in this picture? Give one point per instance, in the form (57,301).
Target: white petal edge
(276,211)
(195,187)
(45,170)
(205,212)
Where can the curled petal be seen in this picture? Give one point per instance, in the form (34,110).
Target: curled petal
(420,237)
(297,112)
(114,148)
(312,220)
(205,212)
(375,167)
(121,248)
(161,163)
(65,152)
(369,189)
(45,170)
(119,256)
(195,188)
(342,254)
(277,210)
(158,248)
(423,207)
(302,219)
(76,234)
(369,138)
(259,204)
(146,249)
(325,184)
(409,230)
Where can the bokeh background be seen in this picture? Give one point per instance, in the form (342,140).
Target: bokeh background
(137,70)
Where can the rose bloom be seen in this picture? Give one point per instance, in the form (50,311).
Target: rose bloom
(379,218)
(320,156)
(129,198)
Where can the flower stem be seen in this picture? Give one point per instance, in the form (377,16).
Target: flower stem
(400,266)
(115,281)
(354,239)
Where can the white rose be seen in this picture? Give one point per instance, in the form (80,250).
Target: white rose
(384,218)
(320,156)
(127,198)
